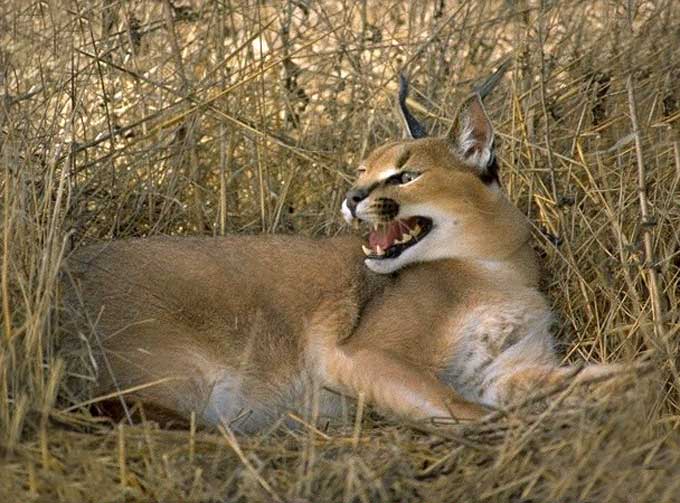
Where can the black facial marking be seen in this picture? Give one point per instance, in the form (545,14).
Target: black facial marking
(357,194)
(354,197)
(387,208)
(394,180)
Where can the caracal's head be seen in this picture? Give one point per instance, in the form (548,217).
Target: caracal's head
(428,199)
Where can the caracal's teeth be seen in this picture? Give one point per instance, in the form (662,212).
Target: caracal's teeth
(416,230)
(405,238)
(355,224)
(367,250)
(379,251)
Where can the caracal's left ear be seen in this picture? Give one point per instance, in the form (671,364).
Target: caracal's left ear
(472,137)
(412,128)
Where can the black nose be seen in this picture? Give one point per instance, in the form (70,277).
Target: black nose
(354,197)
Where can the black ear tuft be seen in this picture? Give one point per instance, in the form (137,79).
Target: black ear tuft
(412,128)
(485,88)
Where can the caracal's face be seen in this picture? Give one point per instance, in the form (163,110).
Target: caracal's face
(429,198)
(419,199)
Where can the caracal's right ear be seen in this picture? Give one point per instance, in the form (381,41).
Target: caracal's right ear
(472,138)
(472,135)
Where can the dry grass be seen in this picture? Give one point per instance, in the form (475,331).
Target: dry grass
(124,118)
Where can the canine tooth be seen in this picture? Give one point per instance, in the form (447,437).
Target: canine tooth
(367,250)
(355,224)
(416,230)
(379,251)
(406,238)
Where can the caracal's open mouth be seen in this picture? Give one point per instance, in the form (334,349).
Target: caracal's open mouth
(389,240)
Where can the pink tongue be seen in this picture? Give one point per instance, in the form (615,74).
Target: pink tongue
(385,236)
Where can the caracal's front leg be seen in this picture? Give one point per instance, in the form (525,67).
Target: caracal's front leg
(395,386)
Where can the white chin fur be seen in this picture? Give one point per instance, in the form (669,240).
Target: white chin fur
(346,214)
(390,265)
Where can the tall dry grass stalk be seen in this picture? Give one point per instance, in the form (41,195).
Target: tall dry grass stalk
(122,118)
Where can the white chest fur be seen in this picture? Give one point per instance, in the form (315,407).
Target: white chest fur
(494,339)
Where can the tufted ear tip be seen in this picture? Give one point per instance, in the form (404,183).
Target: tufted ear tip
(412,128)
(403,87)
(485,88)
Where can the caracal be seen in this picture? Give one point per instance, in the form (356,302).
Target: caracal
(436,314)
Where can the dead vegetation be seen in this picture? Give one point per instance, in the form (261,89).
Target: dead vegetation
(130,118)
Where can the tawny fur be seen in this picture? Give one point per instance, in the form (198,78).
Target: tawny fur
(241,330)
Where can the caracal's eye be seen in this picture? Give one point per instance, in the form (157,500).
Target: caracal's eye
(403,178)
(408,176)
